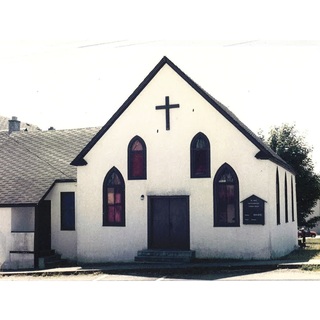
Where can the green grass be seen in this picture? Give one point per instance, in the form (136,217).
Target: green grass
(311,251)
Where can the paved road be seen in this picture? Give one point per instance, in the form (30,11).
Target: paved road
(231,275)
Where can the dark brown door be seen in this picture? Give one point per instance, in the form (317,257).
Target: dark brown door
(169,223)
(43,229)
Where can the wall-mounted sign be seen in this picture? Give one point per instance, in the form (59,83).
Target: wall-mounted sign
(253,210)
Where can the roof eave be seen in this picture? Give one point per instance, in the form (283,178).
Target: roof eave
(15,205)
(53,184)
(265,155)
(80,161)
(35,202)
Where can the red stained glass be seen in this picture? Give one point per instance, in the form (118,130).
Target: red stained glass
(227,212)
(117,213)
(200,157)
(137,159)
(137,146)
(110,195)
(114,200)
(226,197)
(117,198)
(201,165)
(137,164)
(111,214)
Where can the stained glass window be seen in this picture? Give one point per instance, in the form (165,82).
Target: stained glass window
(113,199)
(200,156)
(137,159)
(226,198)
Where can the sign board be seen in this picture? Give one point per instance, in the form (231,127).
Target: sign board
(253,210)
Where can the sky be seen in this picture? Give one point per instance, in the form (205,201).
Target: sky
(71,64)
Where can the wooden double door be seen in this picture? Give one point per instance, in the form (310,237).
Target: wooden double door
(168,223)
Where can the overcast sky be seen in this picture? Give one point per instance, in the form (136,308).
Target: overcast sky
(71,64)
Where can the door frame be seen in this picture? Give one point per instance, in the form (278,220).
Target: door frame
(42,246)
(149,224)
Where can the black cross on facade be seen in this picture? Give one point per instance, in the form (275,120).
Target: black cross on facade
(167,107)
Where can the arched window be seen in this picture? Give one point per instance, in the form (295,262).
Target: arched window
(278,197)
(113,199)
(137,164)
(200,156)
(226,198)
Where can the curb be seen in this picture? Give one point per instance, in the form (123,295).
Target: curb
(159,268)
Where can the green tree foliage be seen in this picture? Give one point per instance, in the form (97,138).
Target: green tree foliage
(292,148)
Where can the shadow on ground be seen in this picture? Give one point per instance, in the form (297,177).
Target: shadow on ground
(194,274)
(302,254)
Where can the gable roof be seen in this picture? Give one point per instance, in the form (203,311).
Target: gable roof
(31,162)
(265,152)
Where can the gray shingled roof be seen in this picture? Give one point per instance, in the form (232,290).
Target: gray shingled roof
(3,136)
(4,125)
(31,162)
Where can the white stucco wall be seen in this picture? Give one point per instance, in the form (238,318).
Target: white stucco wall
(22,219)
(17,235)
(5,236)
(284,235)
(168,173)
(63,242)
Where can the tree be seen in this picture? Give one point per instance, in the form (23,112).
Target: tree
(292,148)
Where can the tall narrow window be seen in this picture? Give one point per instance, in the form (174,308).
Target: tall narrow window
(137,164)
(278,197)
(67,205)
(226,198)
(113,199)
(200,156)
(292,199)
(286,198)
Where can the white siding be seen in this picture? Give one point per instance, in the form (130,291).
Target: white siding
(63,242)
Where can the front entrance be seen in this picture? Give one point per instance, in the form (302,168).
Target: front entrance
(168,223)
(43,229)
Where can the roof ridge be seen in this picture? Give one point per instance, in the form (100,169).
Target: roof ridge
(25,125)
(267,153)
(54,130)
(37,156)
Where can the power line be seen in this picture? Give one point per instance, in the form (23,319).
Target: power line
(100,44)
(240,43)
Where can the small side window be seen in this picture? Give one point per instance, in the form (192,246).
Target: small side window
(67,201)
(278,198)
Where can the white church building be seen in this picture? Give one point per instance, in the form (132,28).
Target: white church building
(173,170)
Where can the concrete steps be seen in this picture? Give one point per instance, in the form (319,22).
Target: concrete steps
(165,256)
(52,261)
